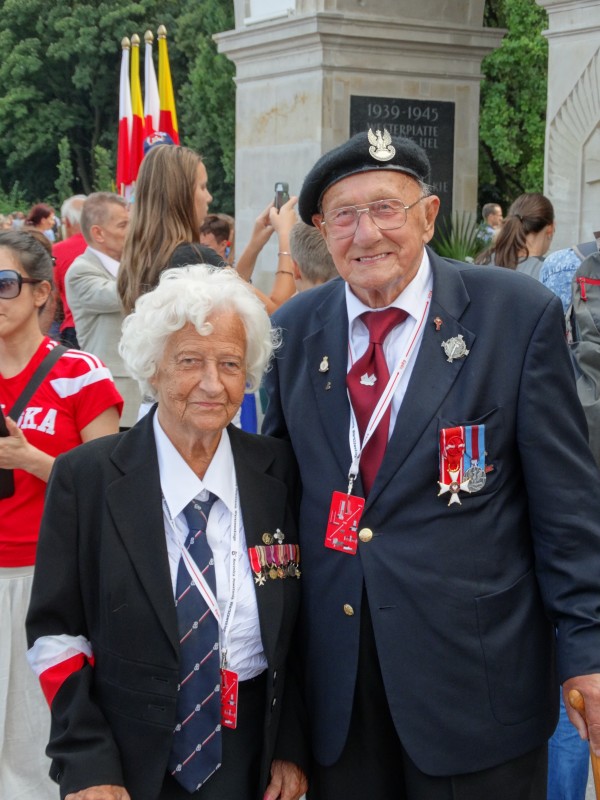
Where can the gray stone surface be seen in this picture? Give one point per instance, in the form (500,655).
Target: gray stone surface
(297,69)
(572,164)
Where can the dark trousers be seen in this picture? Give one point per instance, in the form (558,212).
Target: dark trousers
(375,766)
(239,775)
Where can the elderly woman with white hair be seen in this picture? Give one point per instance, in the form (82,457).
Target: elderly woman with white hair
(161,625)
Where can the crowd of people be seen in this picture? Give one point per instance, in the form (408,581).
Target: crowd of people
(378,596)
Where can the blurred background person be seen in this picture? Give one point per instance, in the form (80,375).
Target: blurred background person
(91,287)
(525,236)
(490,224)
(17,220)
(171,203)
(217,231)
(42,218)
(175,515)
(278,221)
(65,252)
(75,402)
(313,264)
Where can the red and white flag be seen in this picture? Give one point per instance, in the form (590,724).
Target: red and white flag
(125,122)
(151,96)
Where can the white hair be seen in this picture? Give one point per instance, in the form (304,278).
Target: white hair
(71,209)
(189,295)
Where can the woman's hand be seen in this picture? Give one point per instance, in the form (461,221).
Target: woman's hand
(17,453)
(100,793)
(288,782)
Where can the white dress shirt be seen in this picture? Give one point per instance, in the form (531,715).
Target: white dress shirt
(180,484)
(109,263)
(413,301)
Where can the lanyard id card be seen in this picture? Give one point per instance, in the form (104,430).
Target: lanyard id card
(229,698)
(342,524)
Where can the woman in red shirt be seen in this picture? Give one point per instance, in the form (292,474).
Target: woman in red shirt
(77,401)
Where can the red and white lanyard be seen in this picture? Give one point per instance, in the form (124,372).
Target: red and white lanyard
(356,446)
(226,620)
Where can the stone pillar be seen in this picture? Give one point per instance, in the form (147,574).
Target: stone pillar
(572,163)
(312,72)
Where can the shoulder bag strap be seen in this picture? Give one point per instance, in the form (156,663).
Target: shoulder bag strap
(36,379)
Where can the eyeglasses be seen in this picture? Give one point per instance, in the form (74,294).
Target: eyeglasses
(388,215)
(11,282)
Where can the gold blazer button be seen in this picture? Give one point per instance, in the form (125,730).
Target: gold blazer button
(365,535)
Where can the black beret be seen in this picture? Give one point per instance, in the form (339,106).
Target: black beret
(364,152)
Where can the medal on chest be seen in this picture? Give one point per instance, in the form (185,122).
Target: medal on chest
(452,449)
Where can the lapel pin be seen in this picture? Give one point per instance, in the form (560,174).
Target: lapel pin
(328,386)
(279,536)
(367,380)
(267,538)
(455,348)
(438,323)
(324,365)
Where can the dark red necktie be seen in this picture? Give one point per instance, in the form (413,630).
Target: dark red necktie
(366,382)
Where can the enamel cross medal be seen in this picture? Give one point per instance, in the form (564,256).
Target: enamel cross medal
(452,450)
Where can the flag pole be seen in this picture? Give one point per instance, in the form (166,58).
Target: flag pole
(168,115)
(124,135)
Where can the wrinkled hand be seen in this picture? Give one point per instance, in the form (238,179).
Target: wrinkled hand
(284,220)
(15,450)
(288,782)
(589,686)
(100,793)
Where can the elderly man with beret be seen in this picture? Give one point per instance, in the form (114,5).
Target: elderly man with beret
(450,519)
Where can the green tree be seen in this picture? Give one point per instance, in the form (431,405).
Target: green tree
(513,103)
(59,74)
(207,96)
(104,170)
(64,181)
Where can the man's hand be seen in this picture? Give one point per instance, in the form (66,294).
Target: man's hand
(589,686)
(288,782)
(100,793)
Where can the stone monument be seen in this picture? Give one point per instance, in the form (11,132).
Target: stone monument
(309,73)
(572,162)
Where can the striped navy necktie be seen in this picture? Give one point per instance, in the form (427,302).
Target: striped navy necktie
(196,750)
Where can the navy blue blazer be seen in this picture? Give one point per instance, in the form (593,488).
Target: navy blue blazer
(465,599)
(102,572)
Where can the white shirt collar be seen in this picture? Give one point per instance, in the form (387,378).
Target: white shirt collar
(109,263)
(411,299)
(180,484)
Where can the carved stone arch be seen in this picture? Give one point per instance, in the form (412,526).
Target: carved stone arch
(573,153)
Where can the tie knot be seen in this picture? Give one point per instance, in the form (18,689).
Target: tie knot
(196,512)
(380,323)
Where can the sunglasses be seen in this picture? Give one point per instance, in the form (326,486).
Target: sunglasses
(11,282)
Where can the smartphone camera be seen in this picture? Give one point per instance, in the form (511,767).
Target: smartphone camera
(282,194)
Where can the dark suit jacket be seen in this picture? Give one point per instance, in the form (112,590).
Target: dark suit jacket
(464,599)
(102,572)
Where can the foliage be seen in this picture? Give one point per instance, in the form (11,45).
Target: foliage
(513,103)
(64,181)
(208,96)
(13,200)
(59,74)
(457,237)
(104,170)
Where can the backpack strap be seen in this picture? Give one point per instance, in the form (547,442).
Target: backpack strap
(36,379)
(586,249)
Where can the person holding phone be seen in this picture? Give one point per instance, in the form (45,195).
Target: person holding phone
(76,401)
